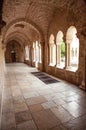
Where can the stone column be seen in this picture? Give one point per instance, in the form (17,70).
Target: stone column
(82,65)
(58,54)
(30,54)
(51,54)
(65,56)
(2,60)
(83,84)
(68,54)
(43,57)
(40,54)
(34,52)
(2,65)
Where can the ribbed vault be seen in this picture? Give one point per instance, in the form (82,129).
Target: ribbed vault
(34,17)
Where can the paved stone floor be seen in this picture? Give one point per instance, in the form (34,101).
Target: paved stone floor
(30,104)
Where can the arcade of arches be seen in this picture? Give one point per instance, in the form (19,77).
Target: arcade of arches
(47,34)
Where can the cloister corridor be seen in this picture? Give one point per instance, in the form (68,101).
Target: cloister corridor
(42,64)
(30,104)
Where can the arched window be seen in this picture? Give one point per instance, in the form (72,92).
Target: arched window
(60,50)
(52,48)
(72,48)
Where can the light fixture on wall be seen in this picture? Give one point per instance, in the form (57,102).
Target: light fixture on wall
(12,51)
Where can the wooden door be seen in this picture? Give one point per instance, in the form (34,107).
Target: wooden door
(13,57)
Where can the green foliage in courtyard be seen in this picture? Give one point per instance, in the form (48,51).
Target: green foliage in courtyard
(63,50)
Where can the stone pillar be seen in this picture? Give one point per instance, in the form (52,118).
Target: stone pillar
(1,75)
(82,65)
(40,53)
(31,54)
(65,56)
(51,54)
(2,60)
(58,54)
(83,84)
(43,57)
(34,52)
(68,55)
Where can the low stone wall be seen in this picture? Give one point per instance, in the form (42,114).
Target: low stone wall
(64,74)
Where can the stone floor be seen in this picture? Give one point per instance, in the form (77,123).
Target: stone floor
(30,104)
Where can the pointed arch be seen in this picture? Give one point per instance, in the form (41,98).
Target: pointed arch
(60,46)
(72,48)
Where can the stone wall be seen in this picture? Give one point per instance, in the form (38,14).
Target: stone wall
(61,21)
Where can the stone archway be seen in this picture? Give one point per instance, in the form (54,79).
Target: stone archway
(72,48)
(14,52)
(60,50)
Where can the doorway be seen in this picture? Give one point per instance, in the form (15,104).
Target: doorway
(13,56)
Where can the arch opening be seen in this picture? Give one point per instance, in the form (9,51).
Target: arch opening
(60,50)
(72,48)
(14,52)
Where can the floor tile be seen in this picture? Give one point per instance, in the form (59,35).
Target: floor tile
(59,102)
(62,114)
(30,95)
(29,125)
(18,107)
(48,105)
(36,108)
(22,117)
(74,109)
(45,119)
(60,127)
(77,124)
(8,120)
(18,99)
(35,100)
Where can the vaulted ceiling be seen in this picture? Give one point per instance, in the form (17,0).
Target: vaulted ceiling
(27,18)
